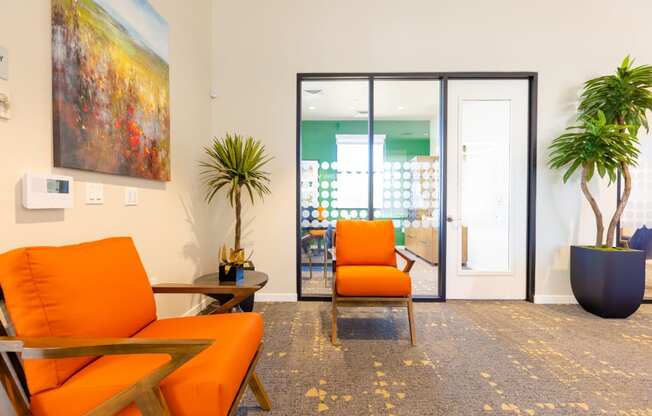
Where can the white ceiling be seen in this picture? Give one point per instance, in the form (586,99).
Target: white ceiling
(348,100)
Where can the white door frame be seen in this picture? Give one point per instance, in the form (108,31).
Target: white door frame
(499,281)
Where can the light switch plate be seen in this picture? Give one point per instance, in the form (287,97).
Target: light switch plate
(94,193)
(4,63)
(131,197)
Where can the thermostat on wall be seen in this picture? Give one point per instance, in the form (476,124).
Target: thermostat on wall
(47,191)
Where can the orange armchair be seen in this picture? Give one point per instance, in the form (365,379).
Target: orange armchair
(366,271)
(89,342)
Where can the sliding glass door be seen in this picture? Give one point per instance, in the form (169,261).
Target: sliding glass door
(449,158)
(406,185)
(369,149)
(334,172)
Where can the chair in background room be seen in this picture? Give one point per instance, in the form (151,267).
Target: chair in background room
(323,240)
(366,272)
(83,321)
(306,251)
(329,248)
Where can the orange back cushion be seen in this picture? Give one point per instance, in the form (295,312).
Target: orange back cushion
(96,289)
(360,242)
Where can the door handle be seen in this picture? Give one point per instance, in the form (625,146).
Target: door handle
(450,219)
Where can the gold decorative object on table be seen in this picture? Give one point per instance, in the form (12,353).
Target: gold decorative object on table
(233,265)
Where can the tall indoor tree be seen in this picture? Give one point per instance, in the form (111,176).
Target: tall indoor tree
(607,280)
(625,99)
(593,146)
(236,164)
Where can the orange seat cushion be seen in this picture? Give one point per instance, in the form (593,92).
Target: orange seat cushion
(94,290)
(362,242)
(372,281)
(205,385)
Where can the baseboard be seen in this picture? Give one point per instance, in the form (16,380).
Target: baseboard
(276,297)
(292,297)
(555,299)
(205,301)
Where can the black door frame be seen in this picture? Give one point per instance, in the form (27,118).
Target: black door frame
(443,77)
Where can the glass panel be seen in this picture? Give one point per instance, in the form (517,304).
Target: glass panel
(484,185)
(407,172)
(637,217)
(334,176)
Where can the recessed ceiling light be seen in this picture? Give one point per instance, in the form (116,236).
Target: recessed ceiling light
(312,107)
(400,108)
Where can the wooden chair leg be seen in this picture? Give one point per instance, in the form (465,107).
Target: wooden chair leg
(310,264)
(334,340)
(325,265)
(258,390)
(152,403)
(251,379)
(10,385)
(413,333)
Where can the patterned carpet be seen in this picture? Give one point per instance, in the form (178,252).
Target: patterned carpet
(472,358)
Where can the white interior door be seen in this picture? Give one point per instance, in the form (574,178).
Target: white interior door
(487,189)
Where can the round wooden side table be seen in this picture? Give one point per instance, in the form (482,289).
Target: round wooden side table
(252,279)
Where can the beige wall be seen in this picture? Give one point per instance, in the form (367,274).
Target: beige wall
(171,226)
(260,46)
(250,55)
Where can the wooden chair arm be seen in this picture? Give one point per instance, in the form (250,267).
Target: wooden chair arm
(204,289)
(145,392)
(409,261)
(239,293)
(65,347)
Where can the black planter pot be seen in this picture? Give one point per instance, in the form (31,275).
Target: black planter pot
(608,283)
(233,275)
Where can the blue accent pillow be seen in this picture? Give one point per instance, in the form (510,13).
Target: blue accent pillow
(642,240)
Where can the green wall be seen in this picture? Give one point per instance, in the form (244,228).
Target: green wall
(403,141)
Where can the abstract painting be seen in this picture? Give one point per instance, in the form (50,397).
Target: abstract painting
(111,95)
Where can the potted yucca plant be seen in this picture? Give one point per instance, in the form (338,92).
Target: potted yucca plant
(235,164)
(607,280)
